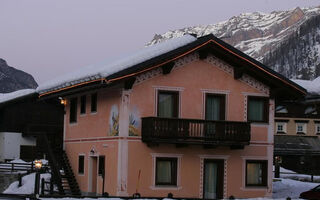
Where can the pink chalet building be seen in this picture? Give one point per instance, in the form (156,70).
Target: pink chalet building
(190,116)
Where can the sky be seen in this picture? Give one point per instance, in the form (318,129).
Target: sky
(48,38)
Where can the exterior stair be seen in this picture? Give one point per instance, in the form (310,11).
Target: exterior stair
(69,182)
(61,171)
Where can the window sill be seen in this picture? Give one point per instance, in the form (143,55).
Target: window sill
(255,188)
(93,113)
(83,114)
(281,132)
(73,123)
(301,133)
(81,174)
(165,187)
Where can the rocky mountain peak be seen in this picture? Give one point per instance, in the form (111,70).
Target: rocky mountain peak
(256,34)
(12,79)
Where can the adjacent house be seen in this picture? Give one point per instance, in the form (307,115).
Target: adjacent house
(23,119)
(297,130)
(193,117)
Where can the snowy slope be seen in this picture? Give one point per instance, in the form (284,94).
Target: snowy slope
(256,34)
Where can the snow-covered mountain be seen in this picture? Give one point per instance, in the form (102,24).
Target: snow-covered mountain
(12,79)
(261,35)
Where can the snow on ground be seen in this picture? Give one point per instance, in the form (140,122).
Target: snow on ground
(282,188)
(290,188)
(27,184)
(20,166)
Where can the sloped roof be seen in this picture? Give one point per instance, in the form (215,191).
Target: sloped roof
(313,87)
(6,97)
(296,145)
(164,53)
(100,71)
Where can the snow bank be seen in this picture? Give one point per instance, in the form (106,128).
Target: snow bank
(310,86)
(291,188)
(103,70)
(4,97)
(27,184)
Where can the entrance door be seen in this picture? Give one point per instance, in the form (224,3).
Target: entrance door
(213,179)
(94,171)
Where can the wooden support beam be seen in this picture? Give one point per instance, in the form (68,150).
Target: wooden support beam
(237,72)
(166,69)
(203,54)
(181,145)
(240,146)
(209,146)
(129,83)
(275,91)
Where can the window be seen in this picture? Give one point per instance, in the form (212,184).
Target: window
(101,165)
(73,110)
(81,164)
(83,104)
(258,109)
(301,128)
(256,172)
(94,102)
(166,171)
(168,104)
(215,107)
(281,127)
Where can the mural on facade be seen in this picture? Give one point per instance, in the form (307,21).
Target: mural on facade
(114,121)
(134,122)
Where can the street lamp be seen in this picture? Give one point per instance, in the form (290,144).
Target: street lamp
(38,166)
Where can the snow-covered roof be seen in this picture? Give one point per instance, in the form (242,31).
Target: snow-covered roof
(95,72)
(4,97)
(312,87)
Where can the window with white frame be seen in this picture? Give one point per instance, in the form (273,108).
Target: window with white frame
(166,169)
(281,127)
(301,128)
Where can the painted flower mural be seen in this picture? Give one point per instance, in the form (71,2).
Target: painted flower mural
(134,121)
(114,121)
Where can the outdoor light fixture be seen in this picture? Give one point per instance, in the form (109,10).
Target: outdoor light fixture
(278,159)
(63,101)
(38,164)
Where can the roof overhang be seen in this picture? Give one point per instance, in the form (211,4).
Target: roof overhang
(280,86)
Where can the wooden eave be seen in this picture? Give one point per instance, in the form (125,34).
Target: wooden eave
(206,44)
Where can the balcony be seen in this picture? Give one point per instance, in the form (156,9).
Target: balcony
(209,133)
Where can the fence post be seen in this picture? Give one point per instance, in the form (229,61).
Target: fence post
(51,186)
(20,180)
(42,186)
(12,167)
(32,166)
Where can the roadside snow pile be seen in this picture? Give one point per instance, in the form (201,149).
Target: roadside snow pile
(4,97)
(290,188)
(27,184)
(288,174)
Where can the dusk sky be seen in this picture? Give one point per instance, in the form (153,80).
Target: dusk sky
(49,38)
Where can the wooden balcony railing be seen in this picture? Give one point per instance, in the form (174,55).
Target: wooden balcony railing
(195,131)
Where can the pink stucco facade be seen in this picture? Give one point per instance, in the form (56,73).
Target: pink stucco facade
(107,132)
